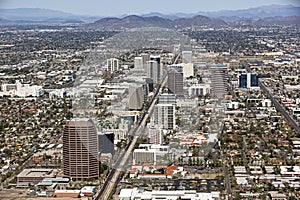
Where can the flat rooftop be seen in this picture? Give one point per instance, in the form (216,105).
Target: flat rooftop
(36,172)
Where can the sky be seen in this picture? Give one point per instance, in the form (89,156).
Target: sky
(120,7)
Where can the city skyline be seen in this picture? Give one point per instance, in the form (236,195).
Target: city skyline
(114,8)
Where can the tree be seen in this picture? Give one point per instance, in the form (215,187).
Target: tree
(8,152)
(190,161)
(119,144)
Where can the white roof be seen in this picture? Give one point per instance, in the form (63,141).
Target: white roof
(88,188)
(67,191)
(125,193)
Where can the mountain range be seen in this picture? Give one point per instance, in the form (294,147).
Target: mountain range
(260,15)
(134,21)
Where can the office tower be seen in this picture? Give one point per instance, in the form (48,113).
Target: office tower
(219,81)
(106,143)
(187,56)
(145,57)
(199,90)
(112,64)
(167,98)
(243,81)
(155,135)
(186,68)
(254,80)
(159,70)
(145,91)
(142,156)
(164,116)
(138,63)
(155,58)
(175,82)
(248,80)
(151,153)
(149,83)
(80,149)
(136,97)
(153,71)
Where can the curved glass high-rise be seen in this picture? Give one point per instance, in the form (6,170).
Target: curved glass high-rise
(80,149)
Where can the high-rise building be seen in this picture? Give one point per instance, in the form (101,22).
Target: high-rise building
(151,153)
(153,71)
(219,81)
(187,56)
(254,80)
(106,143)
(142,156)
(155,58)
(145,57)
(199,90)
(112,64)
(164,116)
(80,149)
(186,68)
(159,70)
(175,82)
(155,135)
(167,98)
(136,97)
(149,82)
(248,80)
(138,63)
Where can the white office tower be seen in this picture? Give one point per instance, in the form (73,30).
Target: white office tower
(159,70)
(186,68)
(138,63)
(187,56)
(199,90)
(112,64)
(167,99)
(164,116)
(153,71)
(136,98)
(155,135)
(151,153)
(219,81)
(142,156)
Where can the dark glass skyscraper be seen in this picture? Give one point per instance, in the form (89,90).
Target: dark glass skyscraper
(175,82)
(248,80)
(254,80)
(243,81)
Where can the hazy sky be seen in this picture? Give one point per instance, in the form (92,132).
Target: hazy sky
(119,7)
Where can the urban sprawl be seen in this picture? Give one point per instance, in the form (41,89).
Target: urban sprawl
(197,113)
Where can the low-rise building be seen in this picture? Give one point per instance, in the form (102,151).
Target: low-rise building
(66,193)
(127,194)
(35,175)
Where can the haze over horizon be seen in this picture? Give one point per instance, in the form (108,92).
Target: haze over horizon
(119,7)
